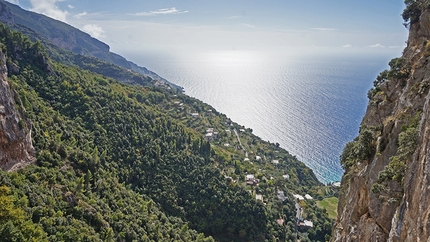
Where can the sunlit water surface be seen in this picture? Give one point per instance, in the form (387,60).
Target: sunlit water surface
(311,105)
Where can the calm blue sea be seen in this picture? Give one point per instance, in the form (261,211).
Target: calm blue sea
(311,105)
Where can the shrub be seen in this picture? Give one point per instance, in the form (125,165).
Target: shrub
(411,13)
(361,149)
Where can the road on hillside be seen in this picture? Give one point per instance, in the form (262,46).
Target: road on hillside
(240,143)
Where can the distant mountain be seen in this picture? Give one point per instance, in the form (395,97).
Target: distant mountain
(45,29)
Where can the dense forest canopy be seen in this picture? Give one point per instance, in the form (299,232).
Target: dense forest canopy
(120,162)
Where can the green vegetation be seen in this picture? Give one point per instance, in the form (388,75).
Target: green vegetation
(393,174)
(15,224)
(395,170)
(118,162)
(82,50)
(399,70)
(359,150)
(86,62)
(330,205)
(412,12)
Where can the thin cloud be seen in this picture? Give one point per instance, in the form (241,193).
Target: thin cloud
(49,8)
(323,29)
(234,17)
(376,46)
(86,15)
(94,30)
(249,25)
(70,6)
(162,11)
(13,1)
(80,15)
(347,46)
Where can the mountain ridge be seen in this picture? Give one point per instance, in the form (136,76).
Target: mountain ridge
(70,38)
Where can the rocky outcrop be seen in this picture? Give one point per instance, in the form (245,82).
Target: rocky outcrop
(16,149)
(385,196)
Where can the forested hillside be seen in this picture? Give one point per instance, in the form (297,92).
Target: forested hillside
(118,162)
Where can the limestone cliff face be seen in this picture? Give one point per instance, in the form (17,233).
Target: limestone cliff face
(385,194)
(16,149)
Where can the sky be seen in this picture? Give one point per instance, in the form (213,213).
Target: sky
(305,25)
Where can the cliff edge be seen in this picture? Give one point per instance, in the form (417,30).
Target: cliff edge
(385,189)
(16,149)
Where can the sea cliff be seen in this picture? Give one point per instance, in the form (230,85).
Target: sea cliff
(385,189)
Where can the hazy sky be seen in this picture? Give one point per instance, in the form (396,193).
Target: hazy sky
(344,25)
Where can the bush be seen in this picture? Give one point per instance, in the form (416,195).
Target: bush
(407,144)
(361,149)
(399,70)
(411,13)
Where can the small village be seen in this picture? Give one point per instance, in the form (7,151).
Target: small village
(251,180)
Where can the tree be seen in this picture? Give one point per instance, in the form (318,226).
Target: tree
(411,13)
(15,225)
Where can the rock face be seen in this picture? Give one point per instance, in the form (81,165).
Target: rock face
(385,195)
(16,149)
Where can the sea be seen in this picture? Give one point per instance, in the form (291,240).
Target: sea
(311,104)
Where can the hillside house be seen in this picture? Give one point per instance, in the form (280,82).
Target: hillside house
(211,134)
(251,180)
(305,224)
(281,196)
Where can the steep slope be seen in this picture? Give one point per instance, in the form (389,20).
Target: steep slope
(16,149)
(67,37)
(385,189)
(122,162)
